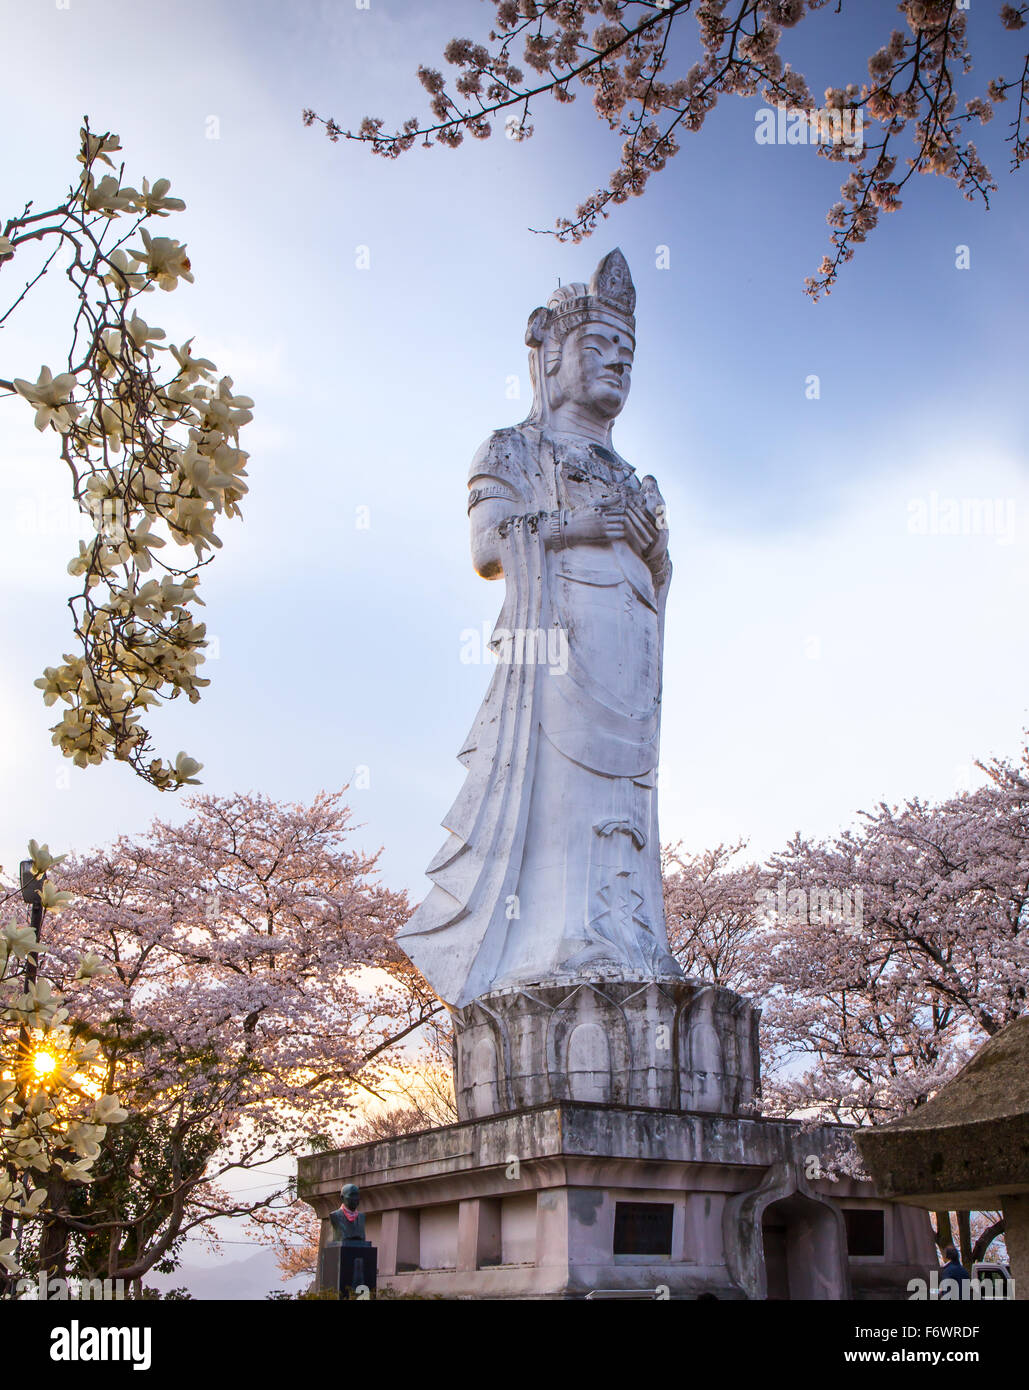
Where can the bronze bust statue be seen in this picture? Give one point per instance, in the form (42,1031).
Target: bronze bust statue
(347,1221)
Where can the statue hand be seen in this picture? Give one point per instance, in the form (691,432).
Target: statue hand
(615,521)
(642,532)
(585,525)
(658,512)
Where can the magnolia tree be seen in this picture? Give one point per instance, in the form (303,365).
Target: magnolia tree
(54,1109)
(630,57)
(150,437)
(255,997)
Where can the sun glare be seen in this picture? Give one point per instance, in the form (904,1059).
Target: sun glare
(43,1064)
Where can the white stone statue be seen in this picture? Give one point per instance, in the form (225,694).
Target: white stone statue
(551,872)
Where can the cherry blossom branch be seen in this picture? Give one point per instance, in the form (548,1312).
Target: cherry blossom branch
(620,62)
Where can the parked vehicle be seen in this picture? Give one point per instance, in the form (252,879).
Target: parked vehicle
(1000,1275)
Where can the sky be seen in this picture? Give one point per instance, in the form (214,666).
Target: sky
(821,653)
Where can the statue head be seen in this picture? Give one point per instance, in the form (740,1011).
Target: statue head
(350,1197)
(581,345)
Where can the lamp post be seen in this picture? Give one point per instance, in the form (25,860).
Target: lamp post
(32,894)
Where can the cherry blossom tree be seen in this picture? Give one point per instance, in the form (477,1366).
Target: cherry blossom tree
(713,914)
(881,958)
(934,959)
(150,438)
(418,1098)
(629,56)
(255,996)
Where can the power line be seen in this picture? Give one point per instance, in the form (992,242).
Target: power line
(217,1240)
(252,1188)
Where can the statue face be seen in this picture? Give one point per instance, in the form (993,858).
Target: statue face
(595,368)
(350,1196)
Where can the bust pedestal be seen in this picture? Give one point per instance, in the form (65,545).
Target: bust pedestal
(351,1265)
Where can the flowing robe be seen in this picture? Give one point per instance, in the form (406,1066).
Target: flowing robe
(552,866)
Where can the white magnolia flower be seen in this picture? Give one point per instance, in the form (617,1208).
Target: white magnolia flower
(155,199)
(42,860)
(35,1201)
(114,425)
(227,412)
(78,1172)
(20,940)
(143,335)
(138,544)
(57,682)
(165,260)
(107,1111)
(96,147)
(52,397)
(190,368)
(124,274)
(90,965)
(53,900)
(185,768)
(108,197)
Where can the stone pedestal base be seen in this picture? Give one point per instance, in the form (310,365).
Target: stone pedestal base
(569,1200)
(664,1044)
(348,1267)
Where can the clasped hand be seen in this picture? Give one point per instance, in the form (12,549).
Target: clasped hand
(628,520)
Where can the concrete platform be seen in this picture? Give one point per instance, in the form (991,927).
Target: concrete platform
(564,1199)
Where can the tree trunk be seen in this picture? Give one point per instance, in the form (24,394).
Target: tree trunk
(53,1244)
(986,1239)
(943,1231)
(6,1233)
(965,1238)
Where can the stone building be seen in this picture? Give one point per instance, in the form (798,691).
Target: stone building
(576,1172)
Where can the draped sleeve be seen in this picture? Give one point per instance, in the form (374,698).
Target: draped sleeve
(457,934)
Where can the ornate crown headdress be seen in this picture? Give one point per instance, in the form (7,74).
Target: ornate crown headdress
(610,294)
